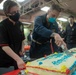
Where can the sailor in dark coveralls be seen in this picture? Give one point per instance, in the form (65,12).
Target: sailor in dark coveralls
(70,33)
(46,32)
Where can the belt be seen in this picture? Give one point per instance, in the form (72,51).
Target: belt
(39,42)
(44,43)
(36,41)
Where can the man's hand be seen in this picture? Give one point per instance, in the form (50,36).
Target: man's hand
(58,40)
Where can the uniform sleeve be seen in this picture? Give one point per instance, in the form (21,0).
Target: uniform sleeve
(3,36)
(40,29)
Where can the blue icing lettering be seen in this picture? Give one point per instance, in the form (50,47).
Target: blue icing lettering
(73,65)
(74,73)
(58,55)
(54,62)
(51,56)
(42,59)
(57,62)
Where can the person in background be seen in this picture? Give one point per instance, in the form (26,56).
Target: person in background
(29,37)
(45,34)
(69,34)
(11,37)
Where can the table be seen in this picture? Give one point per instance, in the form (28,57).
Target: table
(16,72)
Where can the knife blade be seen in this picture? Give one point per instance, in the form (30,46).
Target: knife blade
(65,50)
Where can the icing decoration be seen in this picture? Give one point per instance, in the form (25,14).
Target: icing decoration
(32,73)
(47,69)
(63,68)
(45,56)
(28,63)
(73,65)
(67,71)
(25,66)
(40,63)
(49,57)
(74,73)
(26,71)
(55,53)
(57,62)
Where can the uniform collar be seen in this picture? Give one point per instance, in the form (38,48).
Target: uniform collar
(44,18)
(73,24)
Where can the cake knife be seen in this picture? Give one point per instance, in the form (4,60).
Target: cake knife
(65,50)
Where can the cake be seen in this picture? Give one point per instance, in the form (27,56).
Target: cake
(54,64)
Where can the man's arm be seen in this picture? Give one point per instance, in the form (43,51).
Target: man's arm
(47,33)
(41,29)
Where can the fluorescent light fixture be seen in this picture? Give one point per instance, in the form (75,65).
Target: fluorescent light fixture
(20,0)
(46,8)
(1,4)
(62,19)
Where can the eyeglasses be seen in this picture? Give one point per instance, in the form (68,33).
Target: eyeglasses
(14,12)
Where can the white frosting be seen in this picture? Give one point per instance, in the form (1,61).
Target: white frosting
(62,61)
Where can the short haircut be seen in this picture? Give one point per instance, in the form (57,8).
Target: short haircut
(8,5)
(55,7)
(71,16)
